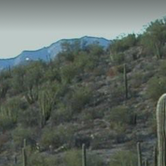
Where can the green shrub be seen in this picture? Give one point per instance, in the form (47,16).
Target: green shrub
(4,138)
(154,38)
(72,104)
(118,93)
(92,113)
(88,59)
(20,133)
(29,117)
(123,44)
(37,159)
(117,58)
(162,69)
(6,123)
(18,80)
(62,114)
(80,97)
(138,79)
(9,112)
(53,72)
(95,50)
(57,136)
(68,73)
(4,87)
(85,62)
(119,117)
(60,90)
(124,158)
(74,158)
(156,87)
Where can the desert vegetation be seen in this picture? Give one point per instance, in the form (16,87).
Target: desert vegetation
(88,106)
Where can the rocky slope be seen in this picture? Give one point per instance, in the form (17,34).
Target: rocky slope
(95,120)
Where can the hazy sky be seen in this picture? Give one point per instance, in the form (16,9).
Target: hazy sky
(30,25)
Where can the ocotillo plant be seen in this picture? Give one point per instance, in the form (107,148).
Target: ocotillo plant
(139,154)
(46,102)
(31,94)
(84,162)
(8,113)
(125,81)
(161,130)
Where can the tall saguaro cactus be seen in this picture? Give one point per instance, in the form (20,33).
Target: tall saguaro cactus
(139,154)
(155,156)
(161,130)
(125,81)
(24,155)
(84,162)
(146,162)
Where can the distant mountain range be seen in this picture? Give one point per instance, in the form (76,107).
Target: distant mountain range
(51,51)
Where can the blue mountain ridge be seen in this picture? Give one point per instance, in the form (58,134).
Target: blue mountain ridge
(51,51)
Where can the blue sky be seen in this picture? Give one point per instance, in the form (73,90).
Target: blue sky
(30,25)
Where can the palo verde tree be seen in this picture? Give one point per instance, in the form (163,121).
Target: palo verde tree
(154,38)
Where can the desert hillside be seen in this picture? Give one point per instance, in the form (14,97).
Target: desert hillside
(103,98)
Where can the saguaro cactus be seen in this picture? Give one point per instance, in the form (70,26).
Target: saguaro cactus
(24,155)
(161,130)
(15,159)
(146,162)
(125,81)
(155,156)
(139,154)
(24,143)
(84,162)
